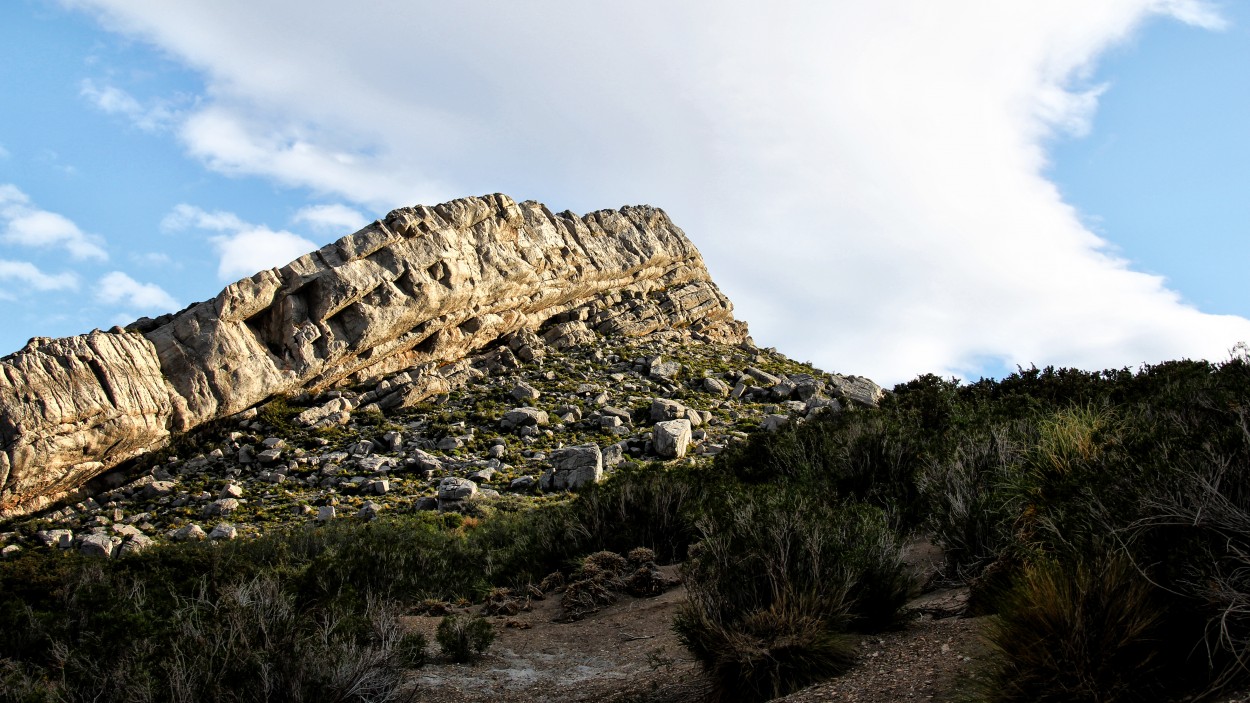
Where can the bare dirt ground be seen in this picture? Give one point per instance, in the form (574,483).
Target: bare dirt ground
(627,652)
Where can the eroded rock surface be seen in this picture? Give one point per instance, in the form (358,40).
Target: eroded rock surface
(422,288)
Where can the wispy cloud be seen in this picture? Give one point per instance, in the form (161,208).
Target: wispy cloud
(4,153)
(116,288)
(877,167)
(330,218)
(155,116)
(29,275)
(26,225)
(242,248)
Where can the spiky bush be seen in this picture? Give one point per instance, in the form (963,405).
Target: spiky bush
(776,582)
(460,638)
(1094,631)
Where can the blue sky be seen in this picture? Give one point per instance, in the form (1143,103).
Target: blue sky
(884,190)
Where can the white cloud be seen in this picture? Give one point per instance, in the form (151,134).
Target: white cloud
(29,275)
(25,225)
(116,288)
(242,248)
(112,100)
(334,218)
(154,259)
(866,180)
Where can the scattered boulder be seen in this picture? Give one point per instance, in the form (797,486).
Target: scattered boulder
(716,386)
(453,491)
(221,506)
(573,467)
(188,533)
(97,545)
(523,391)
(663,409)
(523,417)
(772,423)
(672,438)
(369,510)
(224,531)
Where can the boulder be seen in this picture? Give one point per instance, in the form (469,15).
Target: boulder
(188,533)
(523,391)
(224,531)
(715,386)
(672,438)
(221,506)
(573,467)
(523,417)
(97,545)
(663,409)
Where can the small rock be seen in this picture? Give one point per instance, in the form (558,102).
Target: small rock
(11,551)
(393,441)
(523,484)
(663,409)
(134,544)
(223,531)
(188,533)
(231,490)
(716,386)
(269,456)
(369,510)
(772,423)
(523,391)
(157,489)
(666,370)
(221,506)
(523,417)
(325,513)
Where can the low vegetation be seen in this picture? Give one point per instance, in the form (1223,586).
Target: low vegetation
(1102,517)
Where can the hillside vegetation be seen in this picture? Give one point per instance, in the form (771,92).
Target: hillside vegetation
(1102,517)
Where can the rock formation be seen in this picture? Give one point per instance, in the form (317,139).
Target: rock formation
(421,289)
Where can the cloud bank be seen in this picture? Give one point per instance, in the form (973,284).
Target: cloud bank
(866,180)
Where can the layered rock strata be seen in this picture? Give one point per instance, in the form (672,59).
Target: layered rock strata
(424,287)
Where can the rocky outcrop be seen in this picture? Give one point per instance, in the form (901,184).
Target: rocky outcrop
(422,288)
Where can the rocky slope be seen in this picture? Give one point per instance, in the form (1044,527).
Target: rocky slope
(507,429)
(415,292)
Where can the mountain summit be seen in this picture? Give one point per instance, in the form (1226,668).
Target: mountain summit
(416,291)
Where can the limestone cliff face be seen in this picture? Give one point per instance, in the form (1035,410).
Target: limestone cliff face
(427,285)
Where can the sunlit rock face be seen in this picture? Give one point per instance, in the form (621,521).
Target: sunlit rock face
(422,288)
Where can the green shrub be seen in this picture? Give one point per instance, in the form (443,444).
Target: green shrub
(1095,632)
(460,638)
(771,651)
(776,581)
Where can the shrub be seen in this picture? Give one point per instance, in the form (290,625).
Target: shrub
(460,638)
(771,651)
(775,582)
(1095,631)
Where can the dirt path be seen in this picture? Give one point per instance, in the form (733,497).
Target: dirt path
(627,652)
